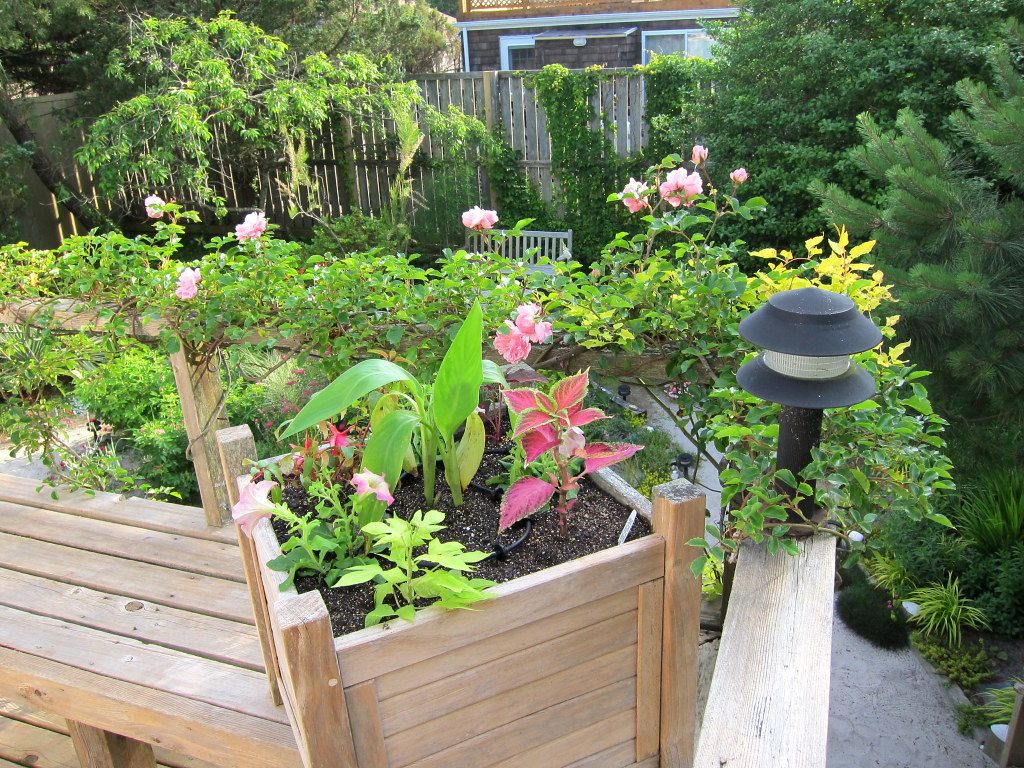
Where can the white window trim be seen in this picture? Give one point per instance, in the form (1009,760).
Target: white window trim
(507,42)
(645,57)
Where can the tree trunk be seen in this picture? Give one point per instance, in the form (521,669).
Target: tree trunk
(48,171)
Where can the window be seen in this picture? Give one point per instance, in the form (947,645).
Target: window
(518,52)
(690,42)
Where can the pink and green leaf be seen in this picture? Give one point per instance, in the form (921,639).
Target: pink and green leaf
(539,440)
(522,399)
(530,421)
(600,455)
(580,416)
(525,497)
(570,391)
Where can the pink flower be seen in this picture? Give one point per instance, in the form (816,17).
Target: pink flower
(514,345)
(188,284)
(255,224)
(153,205)
(253,504)
(367,482)
(338,437)
(700,154)
(739,176)
(526,322)
(679,180)
(479,219)
(572,441)
(638,202)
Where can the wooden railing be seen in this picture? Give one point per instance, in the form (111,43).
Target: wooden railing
(477,10)
(769,698)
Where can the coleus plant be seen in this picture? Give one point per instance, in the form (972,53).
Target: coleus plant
(550,422)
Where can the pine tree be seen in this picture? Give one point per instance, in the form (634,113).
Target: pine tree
(950,231)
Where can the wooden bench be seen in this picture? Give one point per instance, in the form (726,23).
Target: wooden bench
(529,246)
(131,620)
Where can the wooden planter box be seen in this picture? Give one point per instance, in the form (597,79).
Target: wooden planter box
(590,663)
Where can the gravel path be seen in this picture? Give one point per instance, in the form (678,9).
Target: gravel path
(888,711)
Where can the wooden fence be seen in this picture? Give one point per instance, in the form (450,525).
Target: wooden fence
(352,166)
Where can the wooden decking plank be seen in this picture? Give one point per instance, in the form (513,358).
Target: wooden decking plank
(229,641)
(142,513)
(209,558)
(27,745)
(183,725)
(132,661)
(50,722)
(188,591)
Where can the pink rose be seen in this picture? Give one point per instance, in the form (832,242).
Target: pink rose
(367,482)
(188,284)
(514,346)
(700,154)
(253,227)
(479,219)
(637,188)
(528,325)
(253,504)
(739,176)
(154,204)
(679,180)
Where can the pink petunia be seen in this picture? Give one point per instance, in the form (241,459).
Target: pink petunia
(338,437)
(572,442)
(154,205)
(479,218)
(253,227)
(253,504)
(638,189)
(188,284)
(514,346)
(690,184)
(368,482)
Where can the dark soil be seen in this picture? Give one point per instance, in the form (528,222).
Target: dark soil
(595,524)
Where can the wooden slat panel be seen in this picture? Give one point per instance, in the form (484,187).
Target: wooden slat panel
(133,661)
(774,662)
(439,667)
(141,513)
(538,660)
(579,745)
(183,725)
(49,722)
(491,713)
(201,594)
(367,735)
(26,745)
(619,756)
(207,636)
(648,669)
(536,729)
(210,558)
(372,652)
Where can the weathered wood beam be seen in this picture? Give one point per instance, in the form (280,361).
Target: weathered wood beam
(101,749)
(769,697)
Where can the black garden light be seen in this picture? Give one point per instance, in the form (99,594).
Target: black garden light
(807,336)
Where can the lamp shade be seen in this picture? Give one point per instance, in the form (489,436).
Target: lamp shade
(808,335)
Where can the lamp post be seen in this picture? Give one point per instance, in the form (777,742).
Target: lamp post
(807,336)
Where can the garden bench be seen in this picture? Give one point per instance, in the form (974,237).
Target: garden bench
(130,619)
(556,246)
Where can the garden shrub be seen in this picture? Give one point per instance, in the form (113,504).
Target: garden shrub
(127,391)
(869,611)
(967,666)
(357,233)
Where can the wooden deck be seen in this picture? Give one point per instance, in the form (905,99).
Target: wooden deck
(131,616)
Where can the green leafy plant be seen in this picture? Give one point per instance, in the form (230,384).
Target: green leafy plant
(998,706)
(437,410)
(325,543)
(127,391)
(436,575)
(943,611)
(888,573)
(965,666)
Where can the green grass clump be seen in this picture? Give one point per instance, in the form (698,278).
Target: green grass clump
(867,610)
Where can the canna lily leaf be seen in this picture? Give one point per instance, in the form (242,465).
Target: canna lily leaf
(471,449)
(457,386)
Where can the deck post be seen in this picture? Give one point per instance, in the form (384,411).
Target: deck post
(236,445)
(202,405)
(678,516)
(101,749)
(1013,752)
(311,678)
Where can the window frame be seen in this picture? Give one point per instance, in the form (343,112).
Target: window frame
(510,42)
(645,53)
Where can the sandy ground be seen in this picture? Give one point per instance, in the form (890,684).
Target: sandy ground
(888,711)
